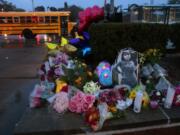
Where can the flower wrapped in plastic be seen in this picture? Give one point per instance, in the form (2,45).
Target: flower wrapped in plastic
(92,117)
(61,58)
(36,95)
(81,102)
(91,87)
(61,102)
(176,100)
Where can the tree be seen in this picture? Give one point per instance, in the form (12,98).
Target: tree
(174,1)
(40,8)
(8,6)
(52,9)
(74,11)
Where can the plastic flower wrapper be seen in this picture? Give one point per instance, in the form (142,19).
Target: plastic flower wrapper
(146,71)
(159,71)
(35,96)
(81,102)
(122,105)
(104,114)
(162,84)
(176,100)
(61,102)
(91,87)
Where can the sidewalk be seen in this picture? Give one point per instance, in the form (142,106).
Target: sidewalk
(18,75)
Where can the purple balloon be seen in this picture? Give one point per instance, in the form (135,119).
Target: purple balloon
(74,41)
(86,35)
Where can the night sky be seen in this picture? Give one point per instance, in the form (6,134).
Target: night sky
(27,4)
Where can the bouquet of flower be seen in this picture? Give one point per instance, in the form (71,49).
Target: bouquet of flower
(176,100)
(152,55)
(61,102)
(61,58)
(92,118)
(81,102)
(91,87)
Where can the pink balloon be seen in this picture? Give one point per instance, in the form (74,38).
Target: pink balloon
(88,14)
(82,16)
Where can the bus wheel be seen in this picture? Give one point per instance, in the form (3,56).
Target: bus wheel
(27,33)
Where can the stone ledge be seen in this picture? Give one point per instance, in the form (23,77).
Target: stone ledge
(45,121)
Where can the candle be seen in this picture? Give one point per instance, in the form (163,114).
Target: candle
(138,102)
(169,97)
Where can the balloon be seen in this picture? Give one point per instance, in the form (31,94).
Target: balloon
(64,41)
(74,41)
(82,17)
(105,77)
(51,46)
(86,51)
(86,35)
(78,36)
(89,15)
(102,66)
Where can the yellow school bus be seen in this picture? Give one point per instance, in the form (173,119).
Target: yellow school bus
(29,24)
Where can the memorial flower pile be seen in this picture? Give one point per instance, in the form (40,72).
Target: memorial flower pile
(107,91)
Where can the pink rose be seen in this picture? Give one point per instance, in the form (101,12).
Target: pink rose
(77,99)
(89,99)
(72,106)
(85,107)
(80,95)
(79,109)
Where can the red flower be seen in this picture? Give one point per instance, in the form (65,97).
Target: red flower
(92,117)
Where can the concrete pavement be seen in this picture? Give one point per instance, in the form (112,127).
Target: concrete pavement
(18,75)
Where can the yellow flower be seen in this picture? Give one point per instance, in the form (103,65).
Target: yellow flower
(146,99)
(84,65)
(89,73)
(132,94)
(59,85)
(78,80)
(112,109)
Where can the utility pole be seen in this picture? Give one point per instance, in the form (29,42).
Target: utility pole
(105,10)
(112,7)
(33,5)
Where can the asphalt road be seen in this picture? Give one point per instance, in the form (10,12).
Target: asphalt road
(19,62)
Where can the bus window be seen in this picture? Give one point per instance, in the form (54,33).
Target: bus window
(16,19)
(22,19)
(47,19)
(2,20)
(34,19)
(41,19)
(28,19)
(9,19)
(54,19)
